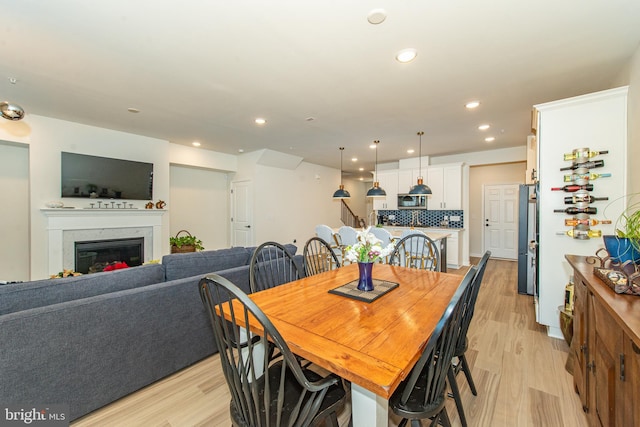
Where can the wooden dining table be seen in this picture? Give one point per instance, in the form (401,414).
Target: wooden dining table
(374,345)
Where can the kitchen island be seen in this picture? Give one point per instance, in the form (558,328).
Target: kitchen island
(451,236)
(439,236)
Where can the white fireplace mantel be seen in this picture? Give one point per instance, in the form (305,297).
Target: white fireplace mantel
(61,220)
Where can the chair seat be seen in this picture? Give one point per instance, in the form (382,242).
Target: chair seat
(415,408)
(332,402)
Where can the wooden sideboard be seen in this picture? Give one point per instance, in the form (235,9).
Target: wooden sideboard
(606,347)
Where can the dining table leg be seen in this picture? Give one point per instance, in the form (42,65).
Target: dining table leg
(367,408)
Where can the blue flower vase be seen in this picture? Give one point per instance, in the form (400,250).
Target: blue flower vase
(365,281)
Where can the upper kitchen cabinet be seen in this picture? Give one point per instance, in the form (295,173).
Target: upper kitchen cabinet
(409,172)
(445,182)
(389,183)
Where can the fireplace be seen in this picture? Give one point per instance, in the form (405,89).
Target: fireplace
(67,226)
(93,256)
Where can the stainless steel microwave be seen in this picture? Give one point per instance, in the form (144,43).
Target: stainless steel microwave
(412,201)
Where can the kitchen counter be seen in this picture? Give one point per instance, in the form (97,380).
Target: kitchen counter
(450,236)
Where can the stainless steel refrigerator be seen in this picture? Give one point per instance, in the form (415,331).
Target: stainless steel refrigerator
(527,240)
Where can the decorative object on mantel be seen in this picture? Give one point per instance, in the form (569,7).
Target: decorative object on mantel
(54,205)
(149,205)
(65,273)
(182,244)
(160,204)
(367,250)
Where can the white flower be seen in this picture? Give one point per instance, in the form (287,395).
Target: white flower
(368,248)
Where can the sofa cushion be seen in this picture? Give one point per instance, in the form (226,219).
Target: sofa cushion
(39,293)
(179,266)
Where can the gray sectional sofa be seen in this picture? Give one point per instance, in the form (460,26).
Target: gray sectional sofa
(87,341)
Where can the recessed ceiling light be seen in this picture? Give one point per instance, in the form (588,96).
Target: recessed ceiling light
(196,144)
(410,151)
(484,127)
(361,179)
(377,16)
(472,104)
(260,121)
(133,110)
(490,139)
(240,150)
(406,55)
(354,159)
(372,146)
(360,169)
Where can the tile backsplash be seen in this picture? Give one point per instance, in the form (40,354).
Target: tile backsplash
(425,217)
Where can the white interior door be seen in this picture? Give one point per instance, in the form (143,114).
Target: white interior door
(241,213)
(501,220)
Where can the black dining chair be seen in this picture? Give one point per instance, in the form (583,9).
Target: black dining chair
(275,394)
(462,343)
(318,257)
(416,251)
(272,265)
(422,394)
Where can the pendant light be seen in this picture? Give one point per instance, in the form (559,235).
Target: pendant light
(376,191)
(341,193)
(420,188)
(11,111)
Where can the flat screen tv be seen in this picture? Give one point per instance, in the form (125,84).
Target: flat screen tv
(105,178)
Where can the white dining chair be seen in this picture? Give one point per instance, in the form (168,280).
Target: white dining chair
(385,236)
(327,234)
(348,236)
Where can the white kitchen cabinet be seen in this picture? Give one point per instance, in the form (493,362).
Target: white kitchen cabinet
(389,183)
(445,182)
(407,178)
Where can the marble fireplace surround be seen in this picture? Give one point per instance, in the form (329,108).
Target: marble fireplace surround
(66,226)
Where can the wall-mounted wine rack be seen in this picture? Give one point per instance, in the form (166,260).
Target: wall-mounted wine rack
(579,182)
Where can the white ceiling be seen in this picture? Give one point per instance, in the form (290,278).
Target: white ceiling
(204,70)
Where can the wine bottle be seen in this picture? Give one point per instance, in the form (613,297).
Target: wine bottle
(583,154)
(581,234)
(573,188)
(590,176)
(572,222)
(582,198)
(573,210)
(588,165)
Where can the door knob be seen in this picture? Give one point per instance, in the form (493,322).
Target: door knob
(247,226)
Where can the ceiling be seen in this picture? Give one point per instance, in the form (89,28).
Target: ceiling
(319,73)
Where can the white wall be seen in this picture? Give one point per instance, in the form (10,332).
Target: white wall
(14,215)
(290,203)
(633,123)
(479,176)
(200,205)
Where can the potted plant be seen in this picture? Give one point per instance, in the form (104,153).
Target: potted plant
(185,243)
(625,244)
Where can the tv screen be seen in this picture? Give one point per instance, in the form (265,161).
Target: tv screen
(105,178)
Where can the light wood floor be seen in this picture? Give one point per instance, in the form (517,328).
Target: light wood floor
(518,370)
